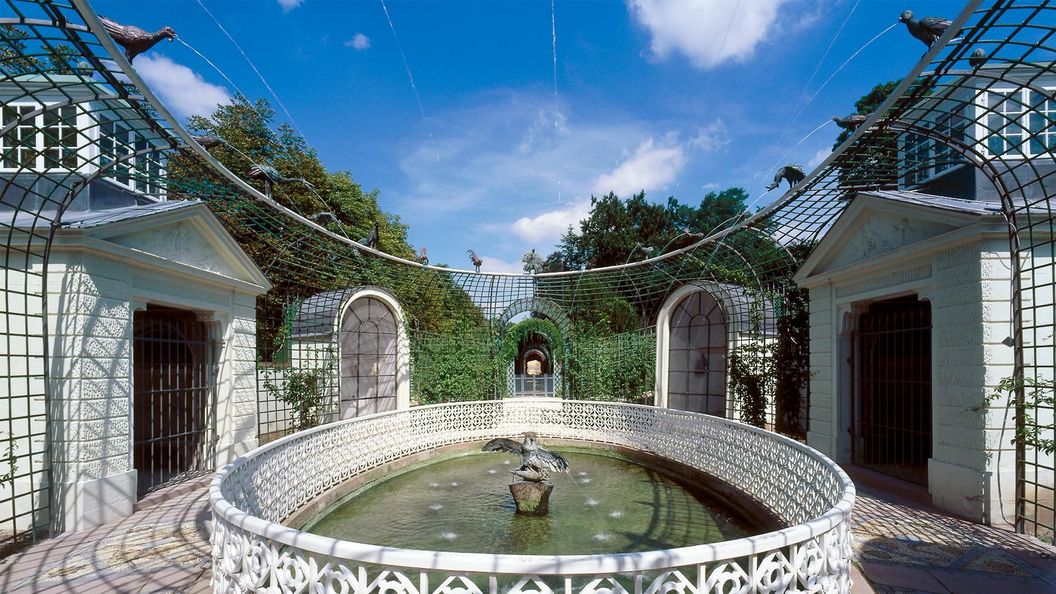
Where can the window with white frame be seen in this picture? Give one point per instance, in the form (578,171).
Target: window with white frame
(47,140)
(916,154)
(1016,123)
(952,126)
(140,171)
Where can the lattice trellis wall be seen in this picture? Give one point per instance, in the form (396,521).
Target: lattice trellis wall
(80,128)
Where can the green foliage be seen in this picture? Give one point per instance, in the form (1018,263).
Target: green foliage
(453,367)
(511,340)
(9,460)
(751,378)
(619,231)
(1038,394)
(613,367)
(302,389)
(792,363)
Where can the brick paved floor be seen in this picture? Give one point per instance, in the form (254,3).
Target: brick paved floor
(902,547)
(906,547)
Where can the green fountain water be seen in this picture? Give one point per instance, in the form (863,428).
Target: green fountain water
(605,504)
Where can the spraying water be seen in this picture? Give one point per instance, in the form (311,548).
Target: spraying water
(410,77)
(254,67)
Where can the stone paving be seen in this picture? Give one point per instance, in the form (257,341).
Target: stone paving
(902,547)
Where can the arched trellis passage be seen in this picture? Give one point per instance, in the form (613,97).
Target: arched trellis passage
(126,146)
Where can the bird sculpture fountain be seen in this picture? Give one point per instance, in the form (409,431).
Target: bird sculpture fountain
(851,122)
(532,492)
(133,39)
(477,262)
(793,174)
(928,29)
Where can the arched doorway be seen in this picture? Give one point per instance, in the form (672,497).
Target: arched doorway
(369,340)
(696,378)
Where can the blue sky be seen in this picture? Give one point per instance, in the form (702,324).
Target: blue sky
(676,97)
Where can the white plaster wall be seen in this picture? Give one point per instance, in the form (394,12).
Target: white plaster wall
(823,331)
(971,471)
(91,300)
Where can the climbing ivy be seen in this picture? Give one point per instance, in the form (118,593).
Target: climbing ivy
(453,366)
(613,367)
(511,340)
(1038,395)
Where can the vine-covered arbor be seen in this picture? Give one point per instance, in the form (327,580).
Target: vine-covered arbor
(81,131)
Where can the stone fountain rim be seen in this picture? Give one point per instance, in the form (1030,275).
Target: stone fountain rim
(532,564)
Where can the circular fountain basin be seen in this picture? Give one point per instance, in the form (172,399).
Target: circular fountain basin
(260,500)
(609,502)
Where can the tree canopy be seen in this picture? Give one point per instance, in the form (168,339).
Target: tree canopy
(619,231)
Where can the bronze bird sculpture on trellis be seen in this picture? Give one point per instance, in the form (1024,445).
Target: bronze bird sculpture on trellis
(477,262)
(850,122)
(423,259)
(978,58)
(535,459)
(209,141)
(324,218)
(928,29)
(133,39)
(271,176)
(791,173)
(371,240)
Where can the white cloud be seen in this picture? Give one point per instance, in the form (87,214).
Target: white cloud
(818,158)
(493,264)
(288,5)
(181,89)
(359,41)
(653,166)
(550,225)
(708,32)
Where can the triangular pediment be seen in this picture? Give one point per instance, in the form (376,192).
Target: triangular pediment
(872,227)
(188,237)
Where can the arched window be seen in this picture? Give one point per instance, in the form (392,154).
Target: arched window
(369,353)
(697,355)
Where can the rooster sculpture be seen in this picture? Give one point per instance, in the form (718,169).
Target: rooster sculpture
(133,39)
(371,240)
(477,262)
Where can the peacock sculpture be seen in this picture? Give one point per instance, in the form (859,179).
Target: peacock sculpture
(477,262)
(533,263)
(133,39)
(271,176)
(791,173)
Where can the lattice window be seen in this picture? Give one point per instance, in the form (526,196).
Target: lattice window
(1017,123)
(953,126)
(47,140)
(115,144)
(917,151)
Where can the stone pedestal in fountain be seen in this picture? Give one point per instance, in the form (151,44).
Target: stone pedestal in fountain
(532,497)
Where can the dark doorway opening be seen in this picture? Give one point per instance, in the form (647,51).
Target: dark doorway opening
(172,382)
(892,409)
(697,370)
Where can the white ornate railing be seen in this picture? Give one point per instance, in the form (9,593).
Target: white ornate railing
(253,552)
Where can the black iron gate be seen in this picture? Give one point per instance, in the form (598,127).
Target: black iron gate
(172,385)
(892,408)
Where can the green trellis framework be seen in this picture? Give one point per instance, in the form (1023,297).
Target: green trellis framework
(53,60)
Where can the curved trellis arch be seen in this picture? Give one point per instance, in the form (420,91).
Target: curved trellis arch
(304,258)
